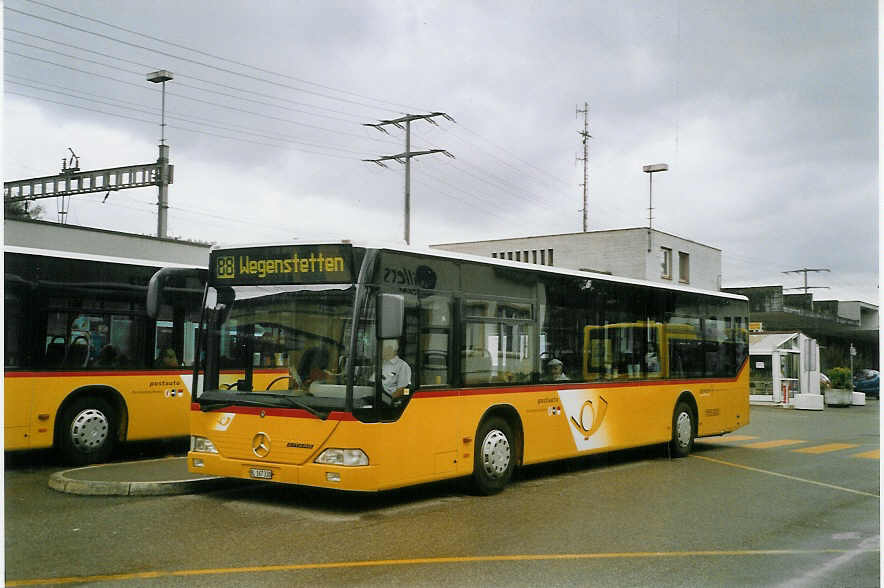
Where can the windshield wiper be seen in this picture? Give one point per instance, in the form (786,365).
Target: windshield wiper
(207,405)
(214,404)
(297,403)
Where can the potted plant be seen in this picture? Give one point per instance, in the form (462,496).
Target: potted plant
(840,393)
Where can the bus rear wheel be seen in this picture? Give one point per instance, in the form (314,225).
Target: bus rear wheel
(494,456)
(684,429)
(87,431)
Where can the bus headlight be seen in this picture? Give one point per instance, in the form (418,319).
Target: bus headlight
(343,457)
(202,445)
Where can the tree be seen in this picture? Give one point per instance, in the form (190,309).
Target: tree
(21,210)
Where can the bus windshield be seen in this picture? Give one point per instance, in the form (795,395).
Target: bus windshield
(277,346)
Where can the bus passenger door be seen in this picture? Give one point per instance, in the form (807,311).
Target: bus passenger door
(434,371)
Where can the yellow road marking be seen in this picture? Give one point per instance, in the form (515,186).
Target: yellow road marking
(777,443)
(423,561)
(826,448)
(875,454)
(727,438)
(788,477)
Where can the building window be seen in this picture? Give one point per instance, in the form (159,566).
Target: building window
(525,256)
(494,255)
(684,267)
(550,251)
(534,256)
(666,263)
(542,257)
(518,256)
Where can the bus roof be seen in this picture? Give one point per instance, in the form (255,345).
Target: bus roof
(99,258)
(458,256)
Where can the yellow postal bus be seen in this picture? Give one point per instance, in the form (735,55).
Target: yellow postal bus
(84,366)
(369,368)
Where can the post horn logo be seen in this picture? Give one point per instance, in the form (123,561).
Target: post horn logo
(591,417)
(261,444)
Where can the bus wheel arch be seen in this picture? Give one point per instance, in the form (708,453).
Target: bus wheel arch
(685,424)
(89,424)
(497,449)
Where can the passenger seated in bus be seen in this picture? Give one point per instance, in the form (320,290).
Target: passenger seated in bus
(168,359)
(313,366)
(107,357)
(651,359)
(395,371)
(555,371)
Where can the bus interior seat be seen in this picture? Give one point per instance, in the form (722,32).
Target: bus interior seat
(55,352)
(78,353)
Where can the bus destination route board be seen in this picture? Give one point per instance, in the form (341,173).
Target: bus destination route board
(288,264)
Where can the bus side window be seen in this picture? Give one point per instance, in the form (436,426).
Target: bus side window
(435,334)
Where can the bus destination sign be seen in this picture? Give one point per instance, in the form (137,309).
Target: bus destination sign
(293,264)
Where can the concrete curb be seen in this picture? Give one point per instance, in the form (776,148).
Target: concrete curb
(152,477)
(59,482)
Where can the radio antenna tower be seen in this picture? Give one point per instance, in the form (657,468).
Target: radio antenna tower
(585,159)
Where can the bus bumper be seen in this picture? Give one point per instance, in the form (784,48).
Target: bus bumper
(353,478)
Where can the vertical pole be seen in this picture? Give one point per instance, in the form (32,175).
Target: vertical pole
(408,182)
(650,206)
(163,171)
(163,198)
(163,118)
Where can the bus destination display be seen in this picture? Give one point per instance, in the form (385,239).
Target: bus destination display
(296,264)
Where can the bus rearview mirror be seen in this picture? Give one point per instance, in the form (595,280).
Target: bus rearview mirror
(158,283)
(391,315)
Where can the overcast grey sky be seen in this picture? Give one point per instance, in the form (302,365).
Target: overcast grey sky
(766,113)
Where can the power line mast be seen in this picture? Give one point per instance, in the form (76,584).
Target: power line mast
(405,156)
(585,159)
(805,271)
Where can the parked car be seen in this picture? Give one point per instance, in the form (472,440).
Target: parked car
(868,382)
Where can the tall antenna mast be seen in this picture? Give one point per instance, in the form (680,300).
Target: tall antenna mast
(586,136)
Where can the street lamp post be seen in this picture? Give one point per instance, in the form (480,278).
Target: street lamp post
(651,170)
(164,169)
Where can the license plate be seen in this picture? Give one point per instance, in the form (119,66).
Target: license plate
(264,474)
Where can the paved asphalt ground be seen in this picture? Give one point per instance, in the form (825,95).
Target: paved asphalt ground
(792,499)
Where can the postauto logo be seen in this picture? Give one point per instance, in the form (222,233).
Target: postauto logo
(586,412)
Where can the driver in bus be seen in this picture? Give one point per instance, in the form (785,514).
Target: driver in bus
(395,371)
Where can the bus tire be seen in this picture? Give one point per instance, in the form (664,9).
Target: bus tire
(87,431)
(494,456)
(684,429)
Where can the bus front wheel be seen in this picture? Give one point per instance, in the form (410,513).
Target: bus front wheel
(494,456)
(87,431)
(684,429)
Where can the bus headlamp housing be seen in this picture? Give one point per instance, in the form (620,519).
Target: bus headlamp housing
(343,457)
(202,445)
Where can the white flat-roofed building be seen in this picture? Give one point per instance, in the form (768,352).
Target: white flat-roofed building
(74,239)
(622,252)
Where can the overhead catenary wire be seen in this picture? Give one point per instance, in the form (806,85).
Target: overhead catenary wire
(188,60)
(222,68)
(194,120)
(353,118)
(225,59)
(177,127)
(217,104)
